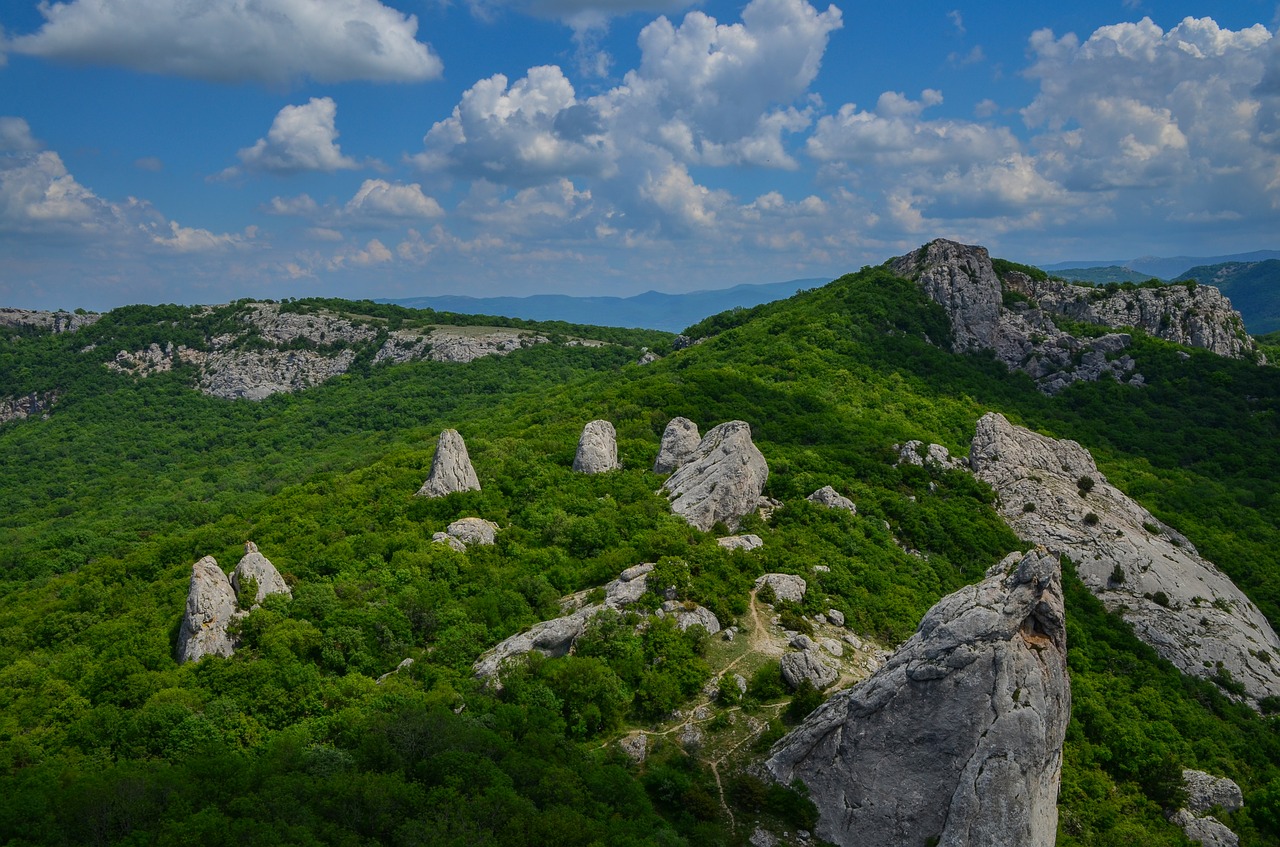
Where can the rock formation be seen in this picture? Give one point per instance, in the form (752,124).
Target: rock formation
(55,322)
(722,481)
(963,281)
(957,739)
(689,614)
(740,542)
(457,344)
(1205,792)
(25,406)
(832,499)
(451,469)
(258,567)
(1051,492)
(785,586)
(808,665)
(679,443)
(465,532)
(597,449)
(257,374)
(927,456)
(211,607)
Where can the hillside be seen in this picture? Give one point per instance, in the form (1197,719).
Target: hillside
(1100,275)
(126,476)
(1254,288)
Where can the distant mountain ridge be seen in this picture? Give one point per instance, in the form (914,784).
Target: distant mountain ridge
(1254,289)
(1163,267)
(650,310)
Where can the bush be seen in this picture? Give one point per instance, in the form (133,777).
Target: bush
(1085,484)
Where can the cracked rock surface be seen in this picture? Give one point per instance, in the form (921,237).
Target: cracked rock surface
(722,481)
(211,606)
(451,469)
(597,449)
(679,443)
(256,566)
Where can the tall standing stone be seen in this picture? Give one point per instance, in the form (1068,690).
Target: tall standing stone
(258,567)
(451,469)
(211,606)
(597,449)
(722,481)
(679,443)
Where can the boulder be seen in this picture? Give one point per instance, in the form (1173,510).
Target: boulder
(635,746)
(211,607)
(451,469)
(957,739)
(1051,492)
(258,567)
(832,499)
(679,443)
(740,542)
(469,531)
(629,587)
(688,614)
(446,538)
(1206,792)
(927,456)
(785,586)
(835,616)
(550,638)
(1207,831)
(722,481)
(597,449)
(808,665)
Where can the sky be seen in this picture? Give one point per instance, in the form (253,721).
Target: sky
(199,151)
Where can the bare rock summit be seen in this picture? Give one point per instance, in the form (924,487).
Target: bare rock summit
(211,607)
(722,481)
(258,567)
(597,449)
(451,469)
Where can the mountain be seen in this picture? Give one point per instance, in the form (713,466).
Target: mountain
(651,310)
(1156,266)
(652,667)
(1098,275)
(1254,288)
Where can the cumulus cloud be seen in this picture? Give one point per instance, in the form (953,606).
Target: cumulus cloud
(378,198)
(38,194)
(301,138)
(276,42)
(16,137)
(183,239)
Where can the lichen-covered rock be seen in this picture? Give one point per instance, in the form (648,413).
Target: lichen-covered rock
(679,443)
(451,469)
(597,449)
(957,739)
(808,665)
(1051,492)
(785,586)
(1206,792)
(211,607)
(722,481)
(1206,831)
(740,542)
(258,567)
(687,614)
(832,499)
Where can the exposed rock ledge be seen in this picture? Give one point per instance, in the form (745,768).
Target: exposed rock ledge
(957,739)
(25,406)
(55,322)
(1176,601)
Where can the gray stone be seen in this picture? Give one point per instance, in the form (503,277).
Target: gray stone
(723,480)
(1206,792)
(762,837)
(959,736)
(597,449)
(687,614)
(55,322)
(832,646)
(802,642)
(835,616)
(648,358)
(451,469)
(211,607)
(256,566)
(810,666)
(446,538)
(962,279)
(24,406)
(740,542)
(926,455)
(635,746)
(1207,831)
(679,443)
(629,587)
(403,666)
(1204,621)
(832,499)
(550,638)
(785,586)
(471,531)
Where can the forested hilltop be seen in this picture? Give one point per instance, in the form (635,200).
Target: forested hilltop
(129,470)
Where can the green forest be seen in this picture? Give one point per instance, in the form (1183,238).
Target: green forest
(107,503)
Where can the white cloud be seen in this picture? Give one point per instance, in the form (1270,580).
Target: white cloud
(182,239)
(276,42)
(301,138)
(37,194)
(378,198)
(301,206)
(15,136)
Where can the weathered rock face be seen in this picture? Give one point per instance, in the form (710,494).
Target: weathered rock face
(1206,791)
(459,344)
(808,665)
(257,374)
(958,737)
(926,455)
(465,532)
(1149,574)
(597,448)
(451,469)
(832,499)
(55,322)
(963,281)
(1206,831)
(785,586)
(679,443)
(722,481)
(690,614)
(258,567)
(34,404)
(211,607)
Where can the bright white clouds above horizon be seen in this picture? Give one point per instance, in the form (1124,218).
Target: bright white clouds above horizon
(728,152)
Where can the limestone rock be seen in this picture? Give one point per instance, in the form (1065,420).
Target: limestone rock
(550,638)
(957,739)
(688,614)
(962,279)
(785,586)
(648,358)
(679,443)
(257,374)
(927,455)
(404,665)
(1205,792)
(256,566)
(835,616)
(808,665)
(1207,831)
(635,746)
(451,469)
(832,499)
(469,531)
(597,449)
(722,481)
(629,587)
(740,542)
(446,538)
(55,322)
(27,405)
(211,607)
(1178,602)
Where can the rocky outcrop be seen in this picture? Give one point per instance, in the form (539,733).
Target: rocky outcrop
(722,481)
(55,322)
(740,542)
(832,499)
(451,469)
(258,567)
(597,449)
(961,279)
(211,607)
(957,739)
(257,374)
(458,344)
(465,532)
(1206,792)
(35,404)
(785,586)
(1051,492)
(687,614)
(808,665)
(927,456)
(1205,830)
(679,443)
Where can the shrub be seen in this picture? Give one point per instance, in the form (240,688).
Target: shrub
(1085,484)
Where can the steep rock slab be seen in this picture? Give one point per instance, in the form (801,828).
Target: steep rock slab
(679,443)
(722,481)
(451,469)
(1176,601)
(597,449)
(211,606)
(258,567)
(960,278)
(958,737)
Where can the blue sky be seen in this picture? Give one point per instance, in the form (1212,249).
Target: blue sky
(197,151)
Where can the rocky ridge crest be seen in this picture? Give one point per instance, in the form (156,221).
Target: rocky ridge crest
(55,322)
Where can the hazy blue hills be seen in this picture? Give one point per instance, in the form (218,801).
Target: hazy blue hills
(1254,289)
(1158,266)
(1101,275)
(650,310)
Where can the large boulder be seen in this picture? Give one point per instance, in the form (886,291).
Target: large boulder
(722,481)
(1052,493)
(1207,831)
(1205,792)
(957,739)
(808,665)
(785,586)
(258,567)
(465,532)
(679,443)
(687,614)
(451,469)
(211,607)
(740,542)
(597,449)
(832,499)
